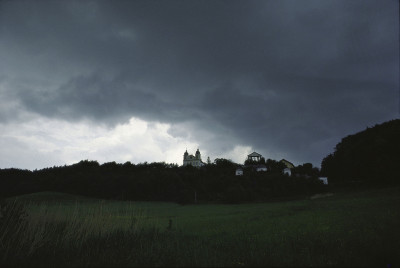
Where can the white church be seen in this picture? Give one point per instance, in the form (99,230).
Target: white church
(192,160)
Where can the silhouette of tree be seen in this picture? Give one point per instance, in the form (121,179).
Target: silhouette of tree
(370,156)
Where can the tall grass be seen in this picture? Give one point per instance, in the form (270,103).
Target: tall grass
(63,232)
(343,230)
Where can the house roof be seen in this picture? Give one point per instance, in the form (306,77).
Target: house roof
(287,163)
(254,154)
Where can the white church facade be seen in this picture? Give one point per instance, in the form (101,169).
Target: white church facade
(192,160)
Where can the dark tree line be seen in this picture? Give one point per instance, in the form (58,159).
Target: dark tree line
(161,182)
(369,156)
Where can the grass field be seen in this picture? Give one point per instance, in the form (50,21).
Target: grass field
(345,229)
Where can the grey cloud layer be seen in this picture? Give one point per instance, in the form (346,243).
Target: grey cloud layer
(285,76)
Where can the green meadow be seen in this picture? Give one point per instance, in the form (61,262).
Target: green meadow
(344,229)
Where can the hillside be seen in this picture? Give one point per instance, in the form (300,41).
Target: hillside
(369,156)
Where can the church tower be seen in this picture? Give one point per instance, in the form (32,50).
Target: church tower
(198,155)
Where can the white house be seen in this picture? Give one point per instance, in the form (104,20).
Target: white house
(239,172)
(324,180)
(287,171)
(289,166)
(192,160)
(261,168)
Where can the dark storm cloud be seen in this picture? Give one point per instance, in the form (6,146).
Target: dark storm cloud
(95,97)
(283,76)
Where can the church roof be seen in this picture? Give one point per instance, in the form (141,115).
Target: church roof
(254,154)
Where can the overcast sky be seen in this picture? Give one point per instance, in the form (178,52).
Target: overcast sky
(144,80)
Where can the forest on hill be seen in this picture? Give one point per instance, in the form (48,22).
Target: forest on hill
(369,156)
(164,182)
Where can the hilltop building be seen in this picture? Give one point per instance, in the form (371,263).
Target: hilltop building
(324,180)
(239,171)
(254,157)
(192,160)
(287,163)
(261,168)
(288,169)
(255,161)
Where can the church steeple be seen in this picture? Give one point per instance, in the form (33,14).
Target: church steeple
(198,155)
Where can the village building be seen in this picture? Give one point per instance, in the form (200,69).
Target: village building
(287,163)
(254,157)
(324,180)
(287,171)
(261,168)
(254,161)
(192,160)
(239,171)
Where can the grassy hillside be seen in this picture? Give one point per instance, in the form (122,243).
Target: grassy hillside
(343,229)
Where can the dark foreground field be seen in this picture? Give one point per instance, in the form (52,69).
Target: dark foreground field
(345,229)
